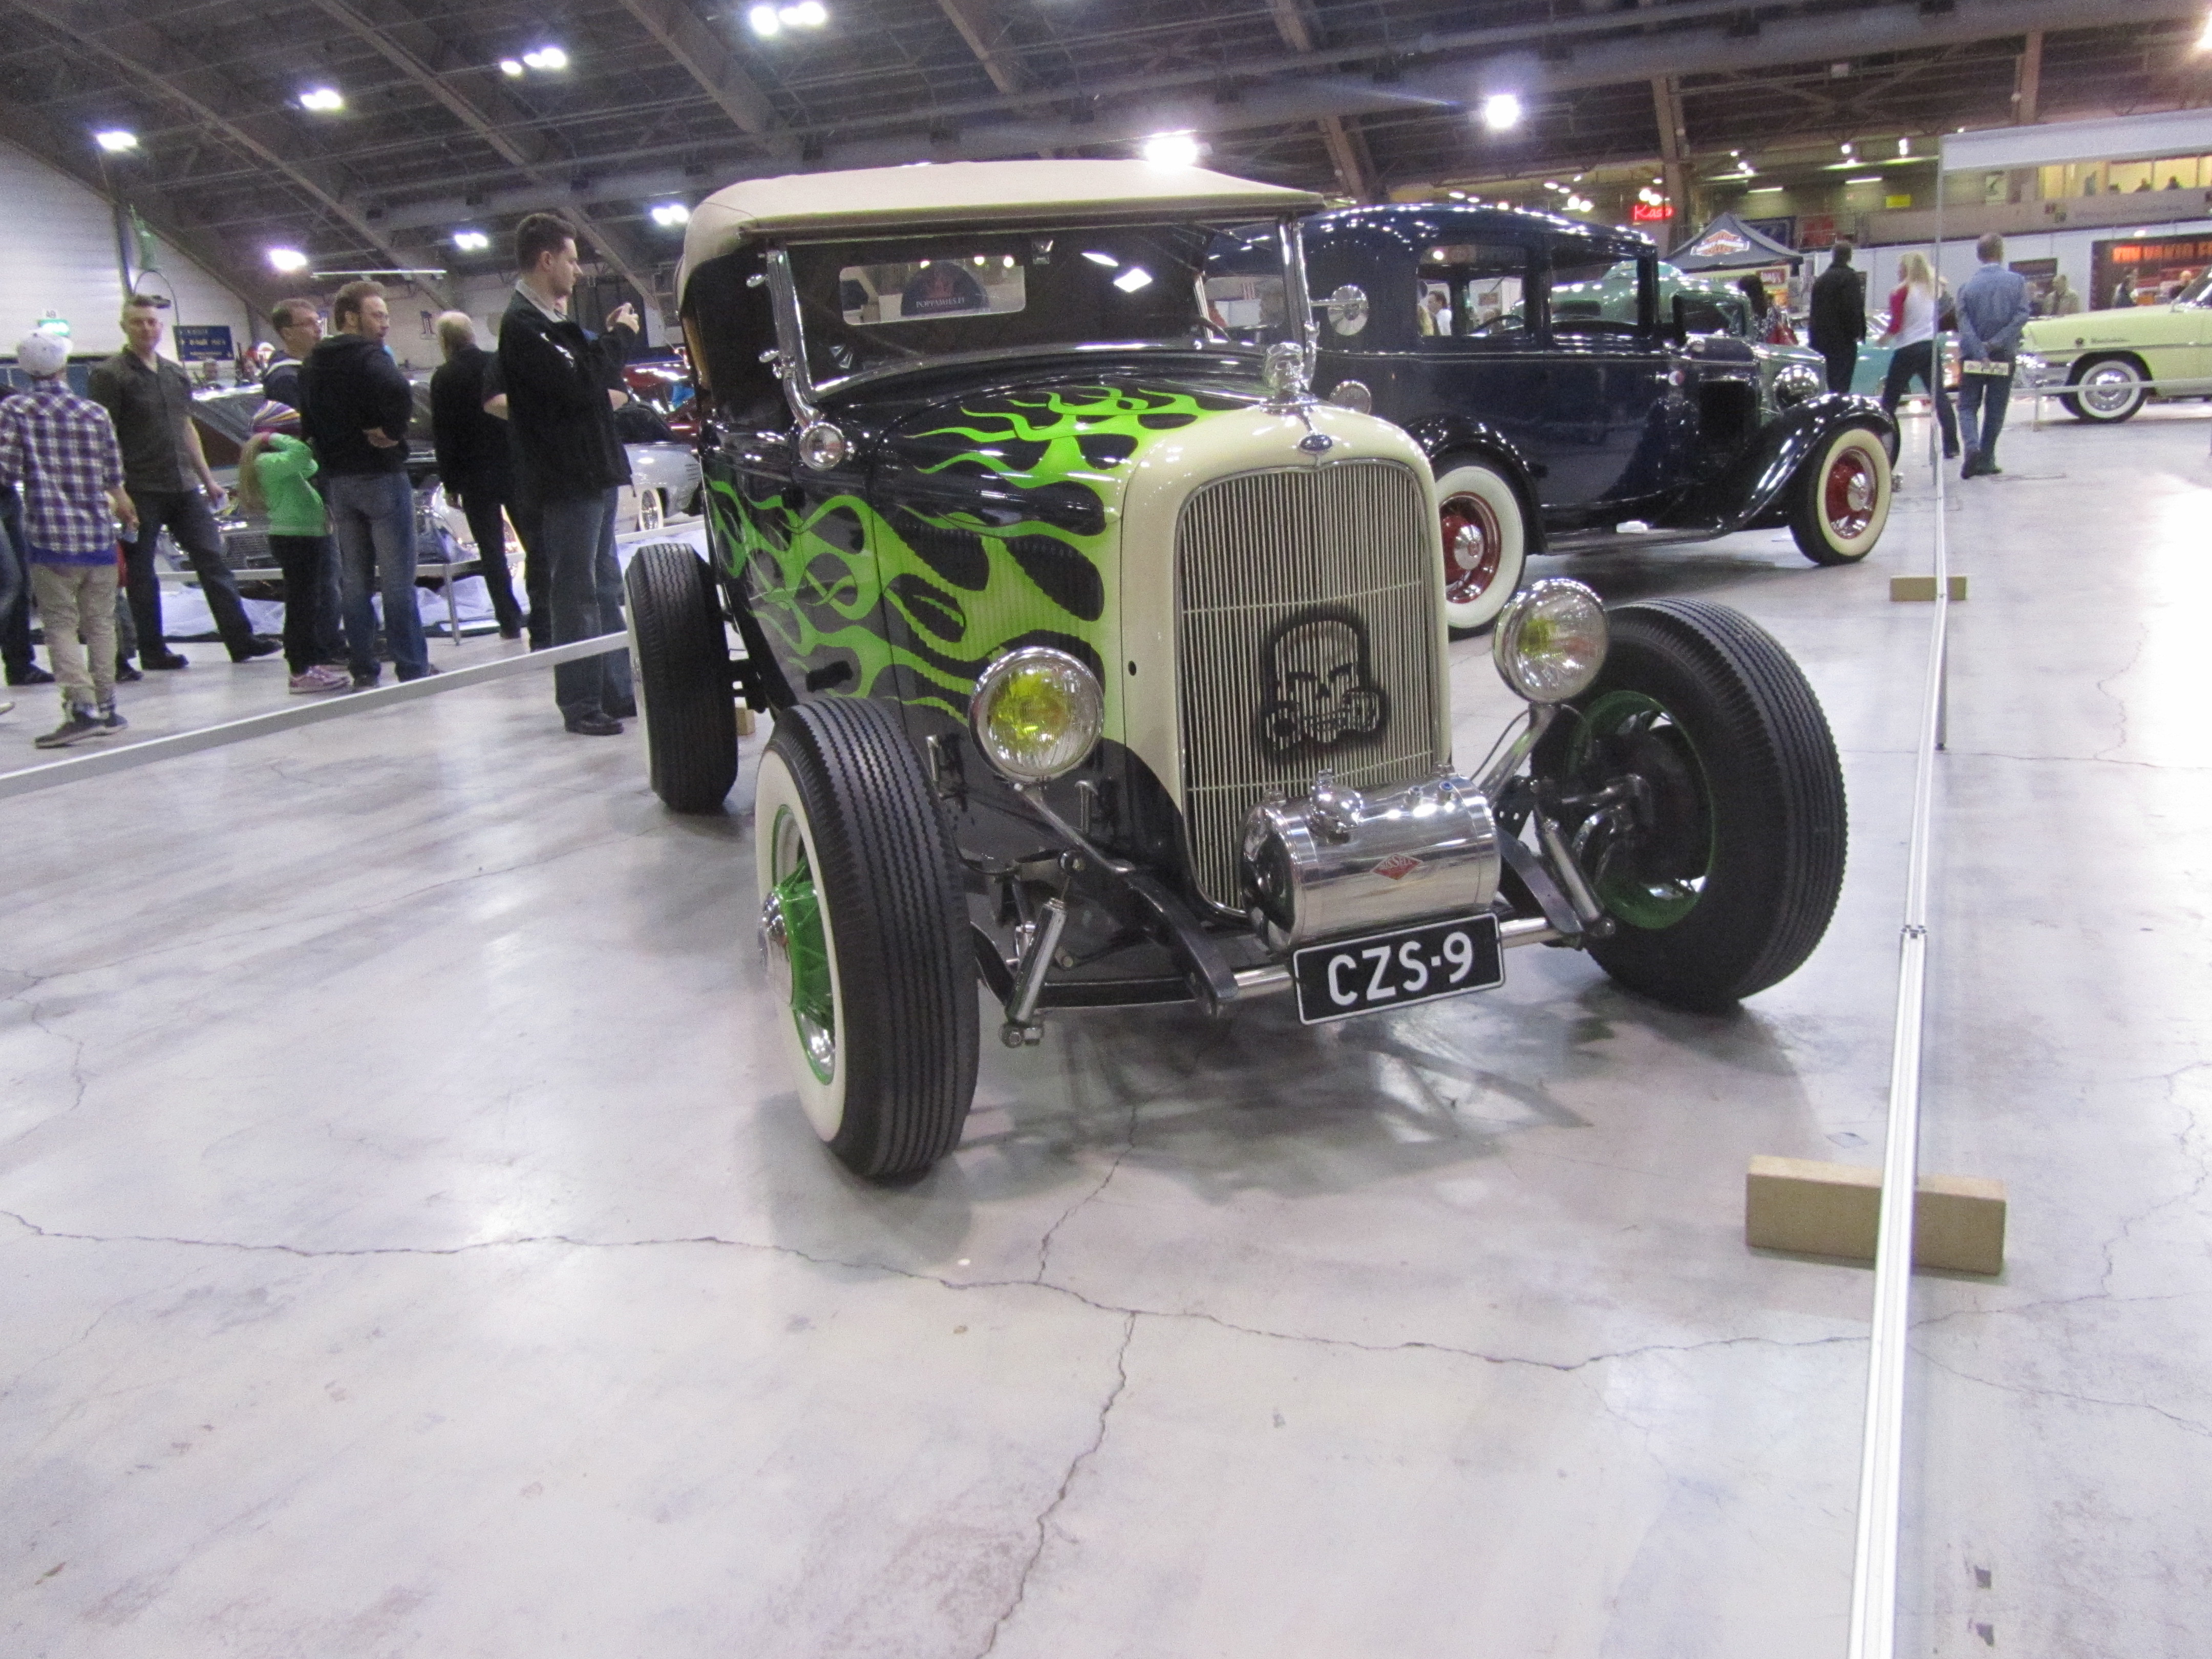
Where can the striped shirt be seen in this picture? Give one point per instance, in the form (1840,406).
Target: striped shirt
(61,449)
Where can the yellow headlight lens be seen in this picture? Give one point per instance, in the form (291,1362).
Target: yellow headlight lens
(1036,713)
(1551,640)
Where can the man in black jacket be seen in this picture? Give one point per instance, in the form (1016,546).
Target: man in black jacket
(472,458)
(563,387)
(357,406)
(1838,318)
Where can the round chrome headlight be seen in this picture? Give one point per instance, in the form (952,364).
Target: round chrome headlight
(1796,382)
(1037,713)
(1551,640)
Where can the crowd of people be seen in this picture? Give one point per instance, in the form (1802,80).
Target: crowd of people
(526,435)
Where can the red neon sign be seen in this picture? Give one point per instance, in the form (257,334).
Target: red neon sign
(1643,212)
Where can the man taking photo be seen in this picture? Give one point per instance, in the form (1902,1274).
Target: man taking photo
(167,474)
(356,415)
(563,387)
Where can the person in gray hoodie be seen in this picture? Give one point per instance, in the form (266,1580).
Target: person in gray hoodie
(355,408)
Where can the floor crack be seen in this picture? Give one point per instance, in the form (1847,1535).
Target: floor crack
(1066,1484)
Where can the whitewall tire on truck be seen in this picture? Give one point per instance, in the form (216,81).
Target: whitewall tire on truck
(864,928)
(1842,497)
(681,654)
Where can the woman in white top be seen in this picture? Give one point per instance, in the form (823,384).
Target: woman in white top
(1913,333)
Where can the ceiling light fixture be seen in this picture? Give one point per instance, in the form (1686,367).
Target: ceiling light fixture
(287,260)
(1134,277)
(1171,149)
(769,21)
(1764,189)
(1904,147)
(470,241)
(548,58)
(1501,112)
(324,100)
(512,67)
(2203,41)
(1870,179)
(116,142)
(669,215)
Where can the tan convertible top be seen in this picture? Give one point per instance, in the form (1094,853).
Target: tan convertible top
(996,194)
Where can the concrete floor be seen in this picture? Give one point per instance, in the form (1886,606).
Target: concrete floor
(410,1244)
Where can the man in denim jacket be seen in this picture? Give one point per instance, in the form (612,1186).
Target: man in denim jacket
(1993,308)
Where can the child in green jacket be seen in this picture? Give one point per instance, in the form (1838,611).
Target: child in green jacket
(272,479)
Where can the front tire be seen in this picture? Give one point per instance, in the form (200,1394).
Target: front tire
(1843,498)
(1721,875)
(865,927)
(683,658)
(1485,545)
(2105,390)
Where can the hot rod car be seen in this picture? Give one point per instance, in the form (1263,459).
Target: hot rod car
(1559,395)
(1107,663)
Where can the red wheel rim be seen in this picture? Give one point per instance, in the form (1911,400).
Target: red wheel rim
(1849,494)
(1473,545)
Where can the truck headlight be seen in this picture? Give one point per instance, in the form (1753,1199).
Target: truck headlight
(1797,382)
(1037,713)
(1551,640)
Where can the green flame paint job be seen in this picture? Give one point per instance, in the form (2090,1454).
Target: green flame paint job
(992,520)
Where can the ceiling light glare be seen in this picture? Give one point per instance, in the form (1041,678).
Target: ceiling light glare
(1847,148)
(287,260)
(546,58)
(1171,149)
(1105,259)
(511,66)
(2203,42)
(1865,178)
(115,141)
(1501,112)
(669,215)
(322,100)
(807,15)
(1764,189)
(472,241)
(1904,147)
(1457,195)
(763,22)
(1134,277)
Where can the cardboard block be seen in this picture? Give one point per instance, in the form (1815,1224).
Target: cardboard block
(1924,589)
(1814,1208)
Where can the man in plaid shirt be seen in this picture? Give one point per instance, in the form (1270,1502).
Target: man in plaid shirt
(61,449)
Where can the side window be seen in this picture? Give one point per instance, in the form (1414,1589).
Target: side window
(1472,296)
(1595,292)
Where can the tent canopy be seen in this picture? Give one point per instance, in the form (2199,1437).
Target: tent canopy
(1728,244)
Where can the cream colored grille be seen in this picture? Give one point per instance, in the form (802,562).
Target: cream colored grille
(1301,550)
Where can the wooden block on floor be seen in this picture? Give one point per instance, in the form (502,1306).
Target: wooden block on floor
(1814,1208)
(1924,589)
(744,721)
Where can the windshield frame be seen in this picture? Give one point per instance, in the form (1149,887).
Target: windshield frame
(806,393)
(2199,291)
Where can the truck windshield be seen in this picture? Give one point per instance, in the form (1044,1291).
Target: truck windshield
(869,306)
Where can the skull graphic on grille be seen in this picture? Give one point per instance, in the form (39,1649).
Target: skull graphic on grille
(1319,687)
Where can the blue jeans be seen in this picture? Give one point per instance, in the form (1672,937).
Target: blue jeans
(576,537)
(1983,401)
(372,521)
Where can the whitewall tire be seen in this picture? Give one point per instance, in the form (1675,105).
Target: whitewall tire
(1485,544)
(1843,498)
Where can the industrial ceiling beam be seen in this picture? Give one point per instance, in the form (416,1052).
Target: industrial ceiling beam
(158,63)
(63,150)
(1631,60)
(2030,92)
(986,38)
(486,112)
(705,56)
(1294,22)
(1673,148)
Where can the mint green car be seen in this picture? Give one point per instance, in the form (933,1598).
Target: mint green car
(2109,358)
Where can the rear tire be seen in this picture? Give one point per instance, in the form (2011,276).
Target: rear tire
(2106,391)
(683,658)
(1728,878)
(1485,545)
(865,929)
(1842,497)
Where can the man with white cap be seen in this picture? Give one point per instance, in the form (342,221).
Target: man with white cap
(60,450)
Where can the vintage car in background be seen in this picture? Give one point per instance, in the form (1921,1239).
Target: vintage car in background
(1562,403)
(2105,358)
(1107,662)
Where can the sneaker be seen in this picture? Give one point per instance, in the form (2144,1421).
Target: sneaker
(127,674)
(319,679)
(368,682)
(260,646)
(81,723)
(33,675)
(111,720)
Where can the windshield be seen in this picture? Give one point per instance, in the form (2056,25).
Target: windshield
(2197,291)
(868,306)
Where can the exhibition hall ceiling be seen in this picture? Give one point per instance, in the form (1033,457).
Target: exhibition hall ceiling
(370,133)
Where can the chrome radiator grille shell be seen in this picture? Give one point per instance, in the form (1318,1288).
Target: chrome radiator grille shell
(1308,639)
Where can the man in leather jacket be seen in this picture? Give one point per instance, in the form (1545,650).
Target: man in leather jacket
(1838,317)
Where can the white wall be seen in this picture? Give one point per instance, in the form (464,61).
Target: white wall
(2071,248)
(61,257)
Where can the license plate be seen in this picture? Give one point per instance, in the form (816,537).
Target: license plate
(1393,969)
